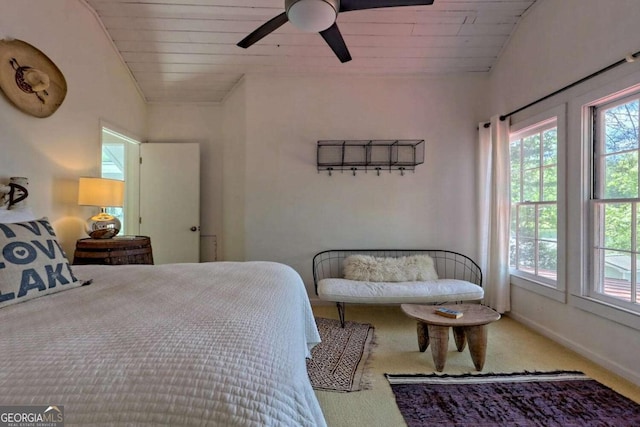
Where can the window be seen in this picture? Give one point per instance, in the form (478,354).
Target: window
(113,167)
(533,248)
(615,202)
(120,157)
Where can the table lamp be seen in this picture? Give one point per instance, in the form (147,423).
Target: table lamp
(101,192)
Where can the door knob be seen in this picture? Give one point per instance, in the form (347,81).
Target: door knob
(194,228)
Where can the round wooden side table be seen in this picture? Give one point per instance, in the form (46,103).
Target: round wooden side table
(434,329)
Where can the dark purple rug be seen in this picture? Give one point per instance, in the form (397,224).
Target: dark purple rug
(560,398)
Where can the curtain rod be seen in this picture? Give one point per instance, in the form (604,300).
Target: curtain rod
(628,58)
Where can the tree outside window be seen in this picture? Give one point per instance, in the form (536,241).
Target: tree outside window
(533,245)
(616,201)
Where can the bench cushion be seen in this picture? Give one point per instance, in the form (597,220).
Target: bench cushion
(441,290)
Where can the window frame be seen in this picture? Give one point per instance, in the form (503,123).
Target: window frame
(598,172)
(533,283)
(579,181)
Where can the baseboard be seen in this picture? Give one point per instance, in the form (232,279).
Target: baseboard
(625,373)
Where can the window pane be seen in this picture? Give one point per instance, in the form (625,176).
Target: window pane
(621,127)
(512,238)
(617,226)
(637,279)
(514,151)
(617,275)
(616,252)
(531,151)
(531,185)
(550,184)
(113,167)
(533,229)
(637,225)
(548,259)
(621,176)
(548,223)
(550,147)
(113,161)
(527,222)
(527,256)
(515,181)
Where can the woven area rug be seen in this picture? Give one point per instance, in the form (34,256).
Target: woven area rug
(338,362)
(561,398)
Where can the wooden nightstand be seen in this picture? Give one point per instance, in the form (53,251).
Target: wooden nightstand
(117,251)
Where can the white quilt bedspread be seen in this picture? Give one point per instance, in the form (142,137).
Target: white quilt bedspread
(183,344)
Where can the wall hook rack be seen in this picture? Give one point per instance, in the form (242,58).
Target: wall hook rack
(354,155)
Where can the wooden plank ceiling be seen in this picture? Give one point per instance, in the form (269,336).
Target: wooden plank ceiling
(185,50)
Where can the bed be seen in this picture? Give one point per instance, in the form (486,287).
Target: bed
(184,344)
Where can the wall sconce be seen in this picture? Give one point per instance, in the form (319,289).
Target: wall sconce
(103,193)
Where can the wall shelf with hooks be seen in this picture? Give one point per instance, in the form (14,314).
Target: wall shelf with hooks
(376,155)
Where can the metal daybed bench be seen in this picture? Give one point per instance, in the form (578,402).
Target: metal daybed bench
(459,279)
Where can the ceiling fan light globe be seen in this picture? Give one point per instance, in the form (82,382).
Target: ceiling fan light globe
(312,15)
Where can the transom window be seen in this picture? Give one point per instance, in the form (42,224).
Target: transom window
(615,204)
(533,248)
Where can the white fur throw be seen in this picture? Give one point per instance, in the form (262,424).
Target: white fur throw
(400,269)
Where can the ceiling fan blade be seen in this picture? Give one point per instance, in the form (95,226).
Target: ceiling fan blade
(347,5)
(264,30)
(335,41)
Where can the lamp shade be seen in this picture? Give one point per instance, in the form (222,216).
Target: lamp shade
(101,192)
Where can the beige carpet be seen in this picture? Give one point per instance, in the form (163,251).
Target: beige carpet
(511,348)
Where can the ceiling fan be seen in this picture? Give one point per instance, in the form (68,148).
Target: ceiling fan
(319,16)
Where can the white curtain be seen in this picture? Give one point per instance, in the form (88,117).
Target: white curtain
(493,213)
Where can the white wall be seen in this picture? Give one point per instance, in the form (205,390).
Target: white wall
(53,152)
(291,211)
(559,42)
(233,174)
(199,123)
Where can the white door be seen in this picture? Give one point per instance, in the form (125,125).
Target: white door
(170,200)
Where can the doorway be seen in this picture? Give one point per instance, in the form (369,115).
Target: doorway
(120,160)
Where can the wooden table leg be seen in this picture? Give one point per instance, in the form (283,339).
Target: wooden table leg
(439,337)
(460,337)
(423,336)
(477,337)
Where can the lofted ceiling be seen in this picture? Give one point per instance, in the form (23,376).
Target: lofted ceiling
(185,50)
